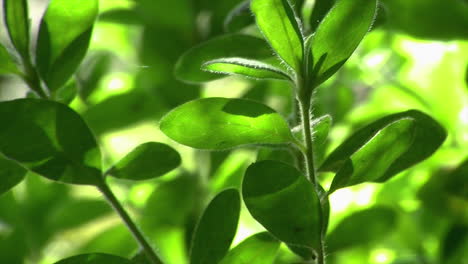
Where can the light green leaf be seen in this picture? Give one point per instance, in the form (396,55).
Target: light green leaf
(260,248)
(384,148)
(221,123)
(279,24)
(64,36)
(66,93)
(17,22)
(10,174)
(216,229)
(280,198)
(50,139)
(7,64)
(147,161)
(245,67)
(94,258)
(372,224)
(338,35)
(188,67)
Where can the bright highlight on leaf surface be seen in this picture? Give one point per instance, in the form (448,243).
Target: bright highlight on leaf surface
(270,189)
(260,248)
(64,36)
(216,228)
(221,123)
(147,161)
(50,139)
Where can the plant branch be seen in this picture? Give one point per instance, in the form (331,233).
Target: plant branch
(32,78)
(137,234)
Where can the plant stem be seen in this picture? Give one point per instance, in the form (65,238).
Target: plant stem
(137,234)
(32,78)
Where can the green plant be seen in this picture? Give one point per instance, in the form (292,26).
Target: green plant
(287,197)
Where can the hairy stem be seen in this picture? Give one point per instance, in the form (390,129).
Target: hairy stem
(137,234)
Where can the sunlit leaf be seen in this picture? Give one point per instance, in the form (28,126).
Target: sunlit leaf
(320,9)
(260,248)
(338,35)
(279,24)
(64,36)
(270,189)
(220,123)
(245,67)
(17,22)
(362,227)
(384,148)
(216,229)
(7,64)
(147,161)
(188,67)
(10,174)
(50,139)
(94,258)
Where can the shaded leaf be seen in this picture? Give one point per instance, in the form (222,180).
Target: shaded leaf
(123,16)
(338,35)
(66,93)
(457,183)
(426,137)
(454,242)
(378,222)
(188,67)
(269,189)
(320,9)
(245,67)
(239,17)
(216,228)
(90,73)
(279,24)
(260,248)
(50,139)
(94,258)
(10,174)
(147,161)
(7,64)
(64,36)
(221,123)
(17,23)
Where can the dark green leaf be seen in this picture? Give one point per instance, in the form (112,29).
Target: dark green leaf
(7,64)
(260,248)
(279,24)
(320,9)
(121,16)
(454,242)
(94,258)
(362,227)
(50,139)
(221,123)
(410,145)
(239,17)
(10,174)
(63,40)
(188,67)
(65,94)
(245,67)
(338,35)
(457,183)
(17,22)
(216,229)
(147,161)
(270,188)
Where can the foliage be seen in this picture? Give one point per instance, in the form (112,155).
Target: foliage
(205,169)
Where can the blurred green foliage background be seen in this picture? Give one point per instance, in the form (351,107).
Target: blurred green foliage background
(416,57)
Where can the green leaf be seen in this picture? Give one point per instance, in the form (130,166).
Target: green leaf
(239,17)
(454,244)
(66,93)
(216,228)
(188,67)
(260,248)
(94,258)
(147,161)
(10,174)
(338,35)
(362,227)
(270,188)
(279,24)
(50,139)
(384,148)
(221,123)
(245,67)
(17,23)
(320,9)
(458,181)
(7,64)
(64,36)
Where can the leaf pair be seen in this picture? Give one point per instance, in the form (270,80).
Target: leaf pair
(52,140)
